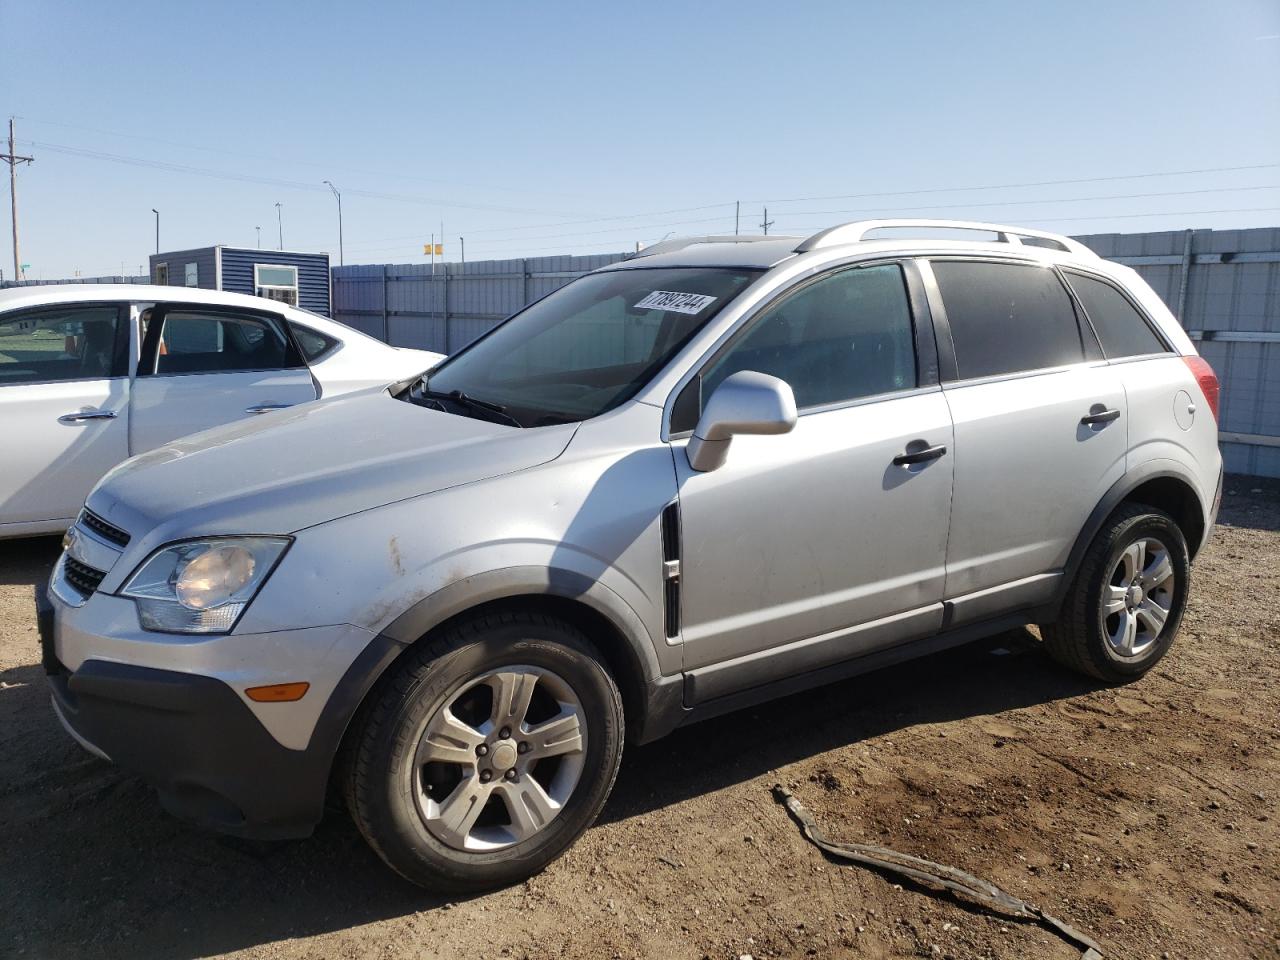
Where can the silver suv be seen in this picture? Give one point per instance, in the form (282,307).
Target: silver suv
(725,469)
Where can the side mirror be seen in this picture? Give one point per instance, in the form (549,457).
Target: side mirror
(746,402)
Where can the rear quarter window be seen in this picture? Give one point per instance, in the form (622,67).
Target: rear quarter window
(1122,330)
(313,344)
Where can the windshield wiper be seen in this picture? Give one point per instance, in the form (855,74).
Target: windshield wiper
(473,403)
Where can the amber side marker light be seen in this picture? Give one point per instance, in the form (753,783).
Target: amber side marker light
(278,692)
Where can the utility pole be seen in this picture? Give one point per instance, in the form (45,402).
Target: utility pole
(433,255)
(737,212)
(341,262)
(766,223)
(157,213)
(13,160)
(280,222)
(462,247)
(259,229)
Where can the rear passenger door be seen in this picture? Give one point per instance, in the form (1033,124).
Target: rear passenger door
(203,366)
(1040,429)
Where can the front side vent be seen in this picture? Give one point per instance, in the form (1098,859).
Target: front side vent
(671,569)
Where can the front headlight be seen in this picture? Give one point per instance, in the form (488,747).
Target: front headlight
(202,586)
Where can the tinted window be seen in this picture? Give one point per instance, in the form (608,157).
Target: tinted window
(312,343)
(590,345)
(1006,318)
(1121,328)
(192,341)
(844,336)
(65,343)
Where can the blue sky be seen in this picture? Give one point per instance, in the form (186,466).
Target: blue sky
(541,128)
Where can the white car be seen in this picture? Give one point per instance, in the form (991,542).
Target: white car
(91,375)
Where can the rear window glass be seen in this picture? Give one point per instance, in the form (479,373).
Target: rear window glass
(1122,330)
(192,341)
(1007,317)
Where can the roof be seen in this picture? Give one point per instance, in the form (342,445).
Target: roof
(51,293)
(753,252)
(765,252)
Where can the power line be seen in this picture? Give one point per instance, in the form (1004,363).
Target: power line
(889,193)
(1040,220)
(858,212)
(1035,202)
(1037,183)
(267,181)
(326,165)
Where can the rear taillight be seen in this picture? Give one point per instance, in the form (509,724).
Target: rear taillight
(1207,379)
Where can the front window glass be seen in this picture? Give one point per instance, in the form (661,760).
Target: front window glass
(62,343)
(590,345)
(844,336)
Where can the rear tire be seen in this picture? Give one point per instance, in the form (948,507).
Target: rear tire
(486,752)
(1123,609)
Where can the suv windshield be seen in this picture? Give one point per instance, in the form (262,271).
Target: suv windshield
(585,348)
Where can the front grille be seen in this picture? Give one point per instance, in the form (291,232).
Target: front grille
(103,529)
(82,577)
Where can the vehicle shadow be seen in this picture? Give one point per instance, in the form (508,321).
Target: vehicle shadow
(28,561)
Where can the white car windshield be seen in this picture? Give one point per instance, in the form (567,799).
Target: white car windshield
(584,349)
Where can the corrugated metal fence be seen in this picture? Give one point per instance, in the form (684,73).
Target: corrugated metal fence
(410,306)
(44,283)
(1223,285)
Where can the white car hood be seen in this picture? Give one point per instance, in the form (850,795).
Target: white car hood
(281,472)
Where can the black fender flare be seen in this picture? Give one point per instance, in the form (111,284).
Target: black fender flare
(1114,496)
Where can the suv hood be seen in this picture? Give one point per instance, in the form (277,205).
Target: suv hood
(280,472)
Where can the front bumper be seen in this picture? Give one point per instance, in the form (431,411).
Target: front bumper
(193,735)
(194,740)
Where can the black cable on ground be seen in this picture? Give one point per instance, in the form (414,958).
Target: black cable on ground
(936,876)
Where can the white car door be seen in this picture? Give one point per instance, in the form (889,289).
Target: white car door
(203,366)
(64,409)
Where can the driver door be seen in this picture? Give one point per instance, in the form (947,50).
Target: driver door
(64,404)
(814,547)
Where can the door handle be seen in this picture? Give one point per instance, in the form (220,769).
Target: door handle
(919,456)
(1096,419)
(87,415)
(267,407)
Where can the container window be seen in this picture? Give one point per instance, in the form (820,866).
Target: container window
(276,283)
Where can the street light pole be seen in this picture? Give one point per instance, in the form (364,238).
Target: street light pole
(339,198)
(280,222)
(259,229)
(157,213)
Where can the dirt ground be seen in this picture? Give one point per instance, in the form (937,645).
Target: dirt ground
(1145,815)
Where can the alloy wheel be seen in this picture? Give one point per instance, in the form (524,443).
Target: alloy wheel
(499,759)
(1138,598)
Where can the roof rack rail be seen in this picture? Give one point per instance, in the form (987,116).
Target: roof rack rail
(857,230)
(679,243)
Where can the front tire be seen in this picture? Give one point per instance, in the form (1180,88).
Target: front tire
(1123,610)
(486,752)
